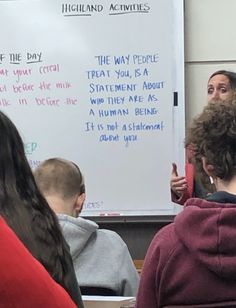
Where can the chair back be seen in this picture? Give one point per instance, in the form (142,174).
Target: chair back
(97,291)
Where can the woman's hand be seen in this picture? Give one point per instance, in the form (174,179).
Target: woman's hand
(178,184)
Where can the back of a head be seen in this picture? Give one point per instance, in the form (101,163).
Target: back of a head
(15,172)
(213,133)
(19,196)
(59,177)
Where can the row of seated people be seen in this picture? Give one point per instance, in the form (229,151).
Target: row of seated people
(101,259)
(190,263)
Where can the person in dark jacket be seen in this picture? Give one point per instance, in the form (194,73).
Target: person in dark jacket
(28,214)
(192,261)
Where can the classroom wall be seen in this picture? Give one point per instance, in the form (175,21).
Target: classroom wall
(209,46)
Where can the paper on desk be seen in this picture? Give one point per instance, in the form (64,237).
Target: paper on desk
(92,301)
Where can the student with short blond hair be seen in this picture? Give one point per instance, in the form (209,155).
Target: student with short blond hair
(101,259)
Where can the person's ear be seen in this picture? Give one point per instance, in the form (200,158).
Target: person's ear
(208,168)
(78,206)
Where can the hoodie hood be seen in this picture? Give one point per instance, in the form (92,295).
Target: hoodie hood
(208,230)
(77,232)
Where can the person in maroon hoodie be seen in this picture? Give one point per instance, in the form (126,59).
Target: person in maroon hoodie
(192,261)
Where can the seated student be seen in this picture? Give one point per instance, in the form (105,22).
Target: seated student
(193,260)
(24,281)
(27,213)
(221,85)
(101,259)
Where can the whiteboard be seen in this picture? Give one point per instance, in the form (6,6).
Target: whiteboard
(93,83)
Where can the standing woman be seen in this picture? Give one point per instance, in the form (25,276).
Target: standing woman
(27,213)
(221,85)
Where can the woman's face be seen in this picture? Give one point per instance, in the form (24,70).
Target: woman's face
(218,87)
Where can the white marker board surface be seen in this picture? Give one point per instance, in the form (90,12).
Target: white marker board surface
(93,82)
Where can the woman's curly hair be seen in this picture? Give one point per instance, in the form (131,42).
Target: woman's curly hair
(213,134)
